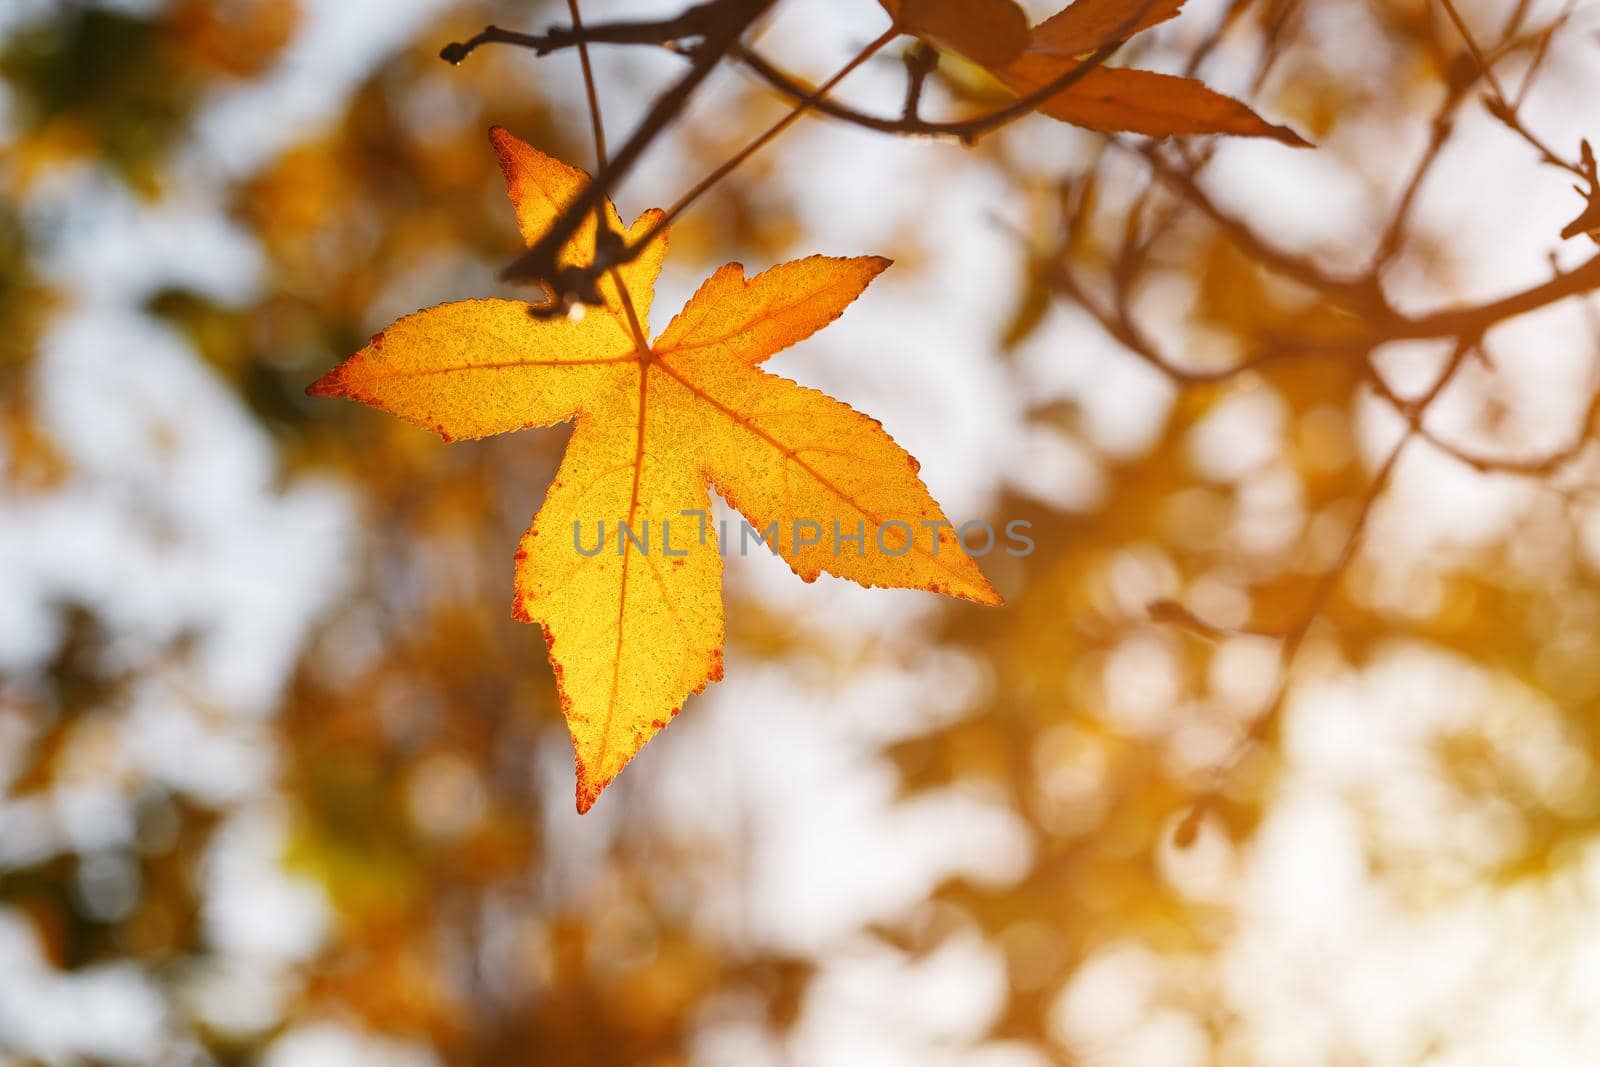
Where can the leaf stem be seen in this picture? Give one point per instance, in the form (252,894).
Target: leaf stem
(595,121)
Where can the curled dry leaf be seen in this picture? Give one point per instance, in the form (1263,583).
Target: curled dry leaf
(621,567)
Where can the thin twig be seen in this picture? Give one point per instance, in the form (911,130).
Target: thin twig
(1472,46)
(759,142)
(1438,134)
(920,60)
(596,122)
(1262,726)
(1497,103)
(718,34)
(540,262)
(1362,292)
(965,130)
(695,21)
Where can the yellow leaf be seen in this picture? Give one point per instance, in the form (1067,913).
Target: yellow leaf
(541,188)
(751,320)
(631,630)
(621,566)
(481,367)
(779,452)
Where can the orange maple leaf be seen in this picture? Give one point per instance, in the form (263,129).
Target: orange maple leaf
(1104,98)
(621,566)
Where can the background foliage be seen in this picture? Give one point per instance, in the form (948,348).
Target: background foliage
(1281,752)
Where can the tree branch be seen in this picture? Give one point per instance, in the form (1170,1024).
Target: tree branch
(725,23)
(697,21)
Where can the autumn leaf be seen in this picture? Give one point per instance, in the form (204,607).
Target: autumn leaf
(1122,98)
(1085,26)
(991,33)
(1103,98)
(1140,101)
(621,566)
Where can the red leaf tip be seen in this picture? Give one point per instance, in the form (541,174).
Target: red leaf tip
(330,384)
(588,792)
